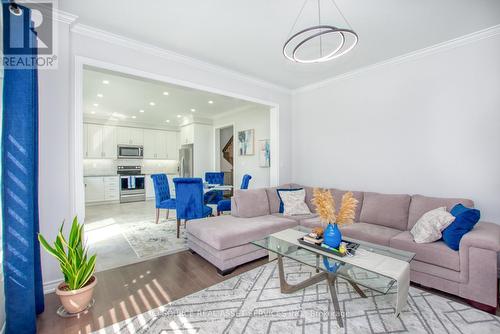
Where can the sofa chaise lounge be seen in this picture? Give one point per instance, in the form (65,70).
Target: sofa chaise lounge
(385,219)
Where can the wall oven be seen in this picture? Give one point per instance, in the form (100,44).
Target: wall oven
(132,184)
(130,152)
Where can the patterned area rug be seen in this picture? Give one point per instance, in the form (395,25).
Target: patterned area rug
(149,239)
(252,303)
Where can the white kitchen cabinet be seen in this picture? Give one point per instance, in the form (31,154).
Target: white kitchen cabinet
(161,144)
(101,188)
(156,144)
(94,189)
(149,144)
(109,149)
(150,189)
(187,134)
(94,141)
(99,141)
(172,145)
(129,136)
(111,188)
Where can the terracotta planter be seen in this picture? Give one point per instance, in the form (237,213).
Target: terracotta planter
(75,301)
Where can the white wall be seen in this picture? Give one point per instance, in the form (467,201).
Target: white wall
(429,124)
(57,105)
(257,118)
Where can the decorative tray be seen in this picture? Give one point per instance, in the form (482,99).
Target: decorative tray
(350,246)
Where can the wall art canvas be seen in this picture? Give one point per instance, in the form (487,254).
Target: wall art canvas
(246,142)
(264,153)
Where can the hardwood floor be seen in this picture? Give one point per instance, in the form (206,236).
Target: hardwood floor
(131,290)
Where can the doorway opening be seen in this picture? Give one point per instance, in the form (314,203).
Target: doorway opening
(115,132)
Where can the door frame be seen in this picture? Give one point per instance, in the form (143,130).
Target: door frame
(77,188)
(216,153)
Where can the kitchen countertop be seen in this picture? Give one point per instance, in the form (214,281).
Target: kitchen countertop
(107,175)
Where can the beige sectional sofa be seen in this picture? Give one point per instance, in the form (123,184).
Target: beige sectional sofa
(384,219)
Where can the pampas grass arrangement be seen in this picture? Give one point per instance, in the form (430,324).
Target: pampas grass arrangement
(325,207)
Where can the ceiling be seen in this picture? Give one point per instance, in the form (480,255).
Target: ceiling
(247,36)
(115,97)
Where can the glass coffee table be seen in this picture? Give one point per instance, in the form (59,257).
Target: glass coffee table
(372,266)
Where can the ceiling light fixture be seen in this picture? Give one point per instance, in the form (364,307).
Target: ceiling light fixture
(179,116)
(141,110)
(332,41)
(92,112)
(134,116)
(165,93)
(168,121)
(152,104)
(210,102)
(100,95)
(193,110)
(106,82)
(96,104)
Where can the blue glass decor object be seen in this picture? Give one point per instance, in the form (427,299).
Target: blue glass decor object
(332,236)
(332,268)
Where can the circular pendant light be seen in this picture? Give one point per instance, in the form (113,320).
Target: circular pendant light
(346,40)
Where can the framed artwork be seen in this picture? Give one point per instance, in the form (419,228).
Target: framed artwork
(246,142)
(264,153)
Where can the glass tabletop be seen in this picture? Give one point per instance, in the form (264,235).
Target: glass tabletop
(334,264)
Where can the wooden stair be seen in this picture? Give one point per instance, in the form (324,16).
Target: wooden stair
(227,151)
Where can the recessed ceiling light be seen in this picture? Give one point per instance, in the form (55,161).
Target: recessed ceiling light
(106,82)
(193,110)
(96,104)
(100,95)
(179,116)
(141,110)
(152,104)
(168,121)
(92,112)
(210,102)
(165,93)
(134,116)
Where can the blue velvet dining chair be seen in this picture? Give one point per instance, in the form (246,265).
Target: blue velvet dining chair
(189,200)
(162,195)
(225,204)
(214,196)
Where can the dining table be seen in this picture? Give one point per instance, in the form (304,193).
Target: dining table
(208,187)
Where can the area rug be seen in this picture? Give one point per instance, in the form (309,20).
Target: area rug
(252,303)
(149,239)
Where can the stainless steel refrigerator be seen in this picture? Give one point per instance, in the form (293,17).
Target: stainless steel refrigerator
(186,161)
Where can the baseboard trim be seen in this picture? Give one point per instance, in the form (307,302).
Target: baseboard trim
(49,287)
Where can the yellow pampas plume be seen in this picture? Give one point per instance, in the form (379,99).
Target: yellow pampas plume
(347,210)
(325,205)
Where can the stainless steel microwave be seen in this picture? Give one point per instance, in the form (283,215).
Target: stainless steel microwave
(130,152)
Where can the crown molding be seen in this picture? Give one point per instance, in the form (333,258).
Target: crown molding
(437,48)
(133,44)
(57,14)
(64,17)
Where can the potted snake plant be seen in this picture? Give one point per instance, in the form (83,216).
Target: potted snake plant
(77,289)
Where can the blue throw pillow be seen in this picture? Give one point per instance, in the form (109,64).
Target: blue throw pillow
(282,207)
(465,219)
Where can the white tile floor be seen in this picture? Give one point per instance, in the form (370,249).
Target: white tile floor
(104,236)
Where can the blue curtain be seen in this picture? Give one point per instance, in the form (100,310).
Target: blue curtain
(21,250)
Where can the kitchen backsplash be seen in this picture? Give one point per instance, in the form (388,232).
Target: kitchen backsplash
(108,166)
